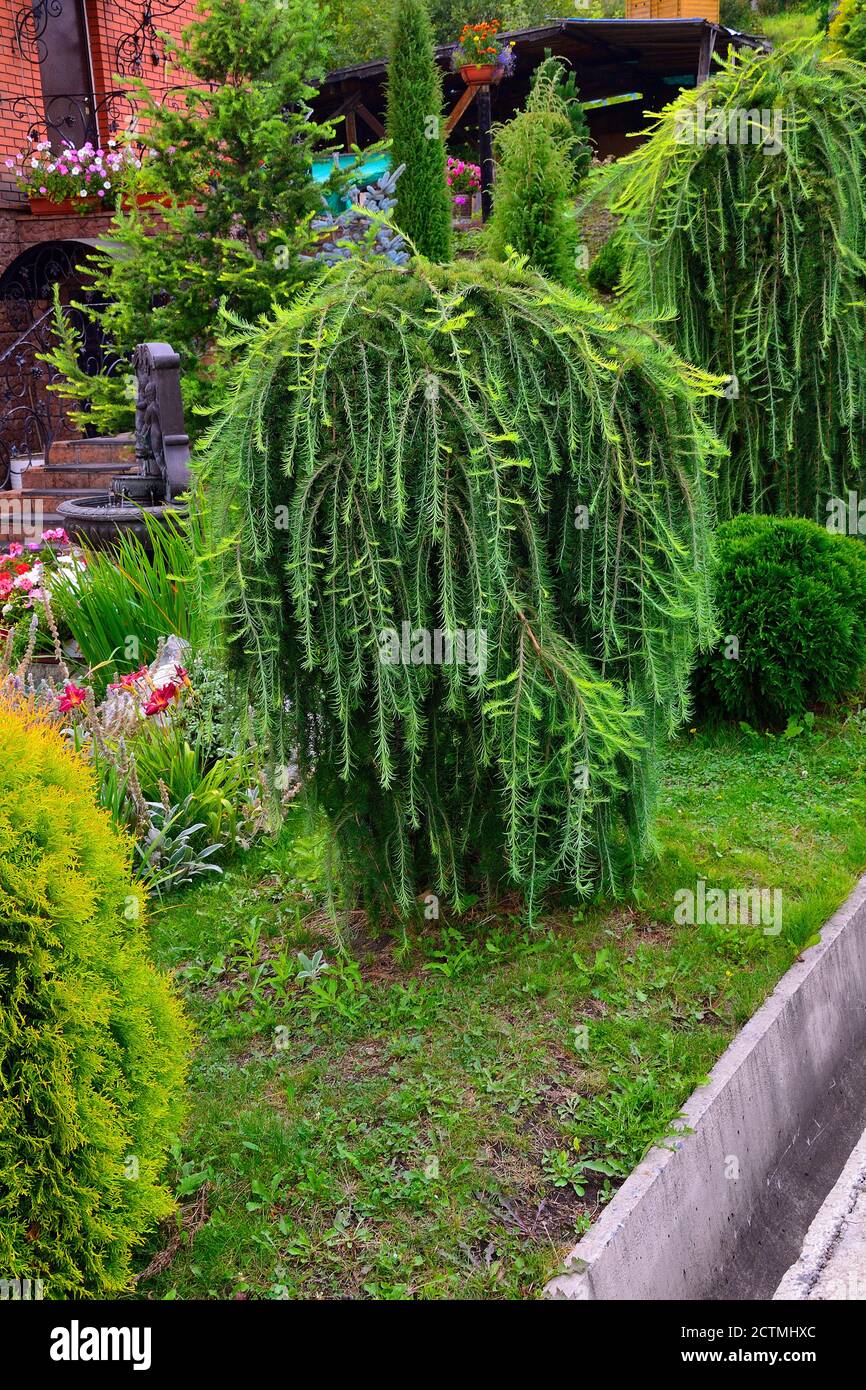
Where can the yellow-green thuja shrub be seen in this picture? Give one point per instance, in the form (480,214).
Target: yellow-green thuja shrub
(92,1039)
(848,29)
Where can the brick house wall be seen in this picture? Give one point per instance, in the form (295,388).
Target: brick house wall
(22,106)
(107,23)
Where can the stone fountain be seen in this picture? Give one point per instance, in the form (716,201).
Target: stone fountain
(161,455)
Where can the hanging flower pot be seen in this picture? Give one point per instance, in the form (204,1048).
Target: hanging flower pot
(480,56)
(474,74)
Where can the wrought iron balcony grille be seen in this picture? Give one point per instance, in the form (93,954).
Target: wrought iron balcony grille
(137,50)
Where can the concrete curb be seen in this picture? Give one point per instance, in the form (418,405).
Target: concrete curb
(782,1109)
(824,1269)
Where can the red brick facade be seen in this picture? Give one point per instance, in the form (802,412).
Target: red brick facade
(21,97)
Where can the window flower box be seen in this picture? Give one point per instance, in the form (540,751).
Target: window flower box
(62,182)
(66,207)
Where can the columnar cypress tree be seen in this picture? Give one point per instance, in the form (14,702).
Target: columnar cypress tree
(414,124)
(744,224)
(469,449)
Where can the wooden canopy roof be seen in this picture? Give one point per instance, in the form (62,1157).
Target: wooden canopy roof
(653,58)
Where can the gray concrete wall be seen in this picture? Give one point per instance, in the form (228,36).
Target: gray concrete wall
(832,1263)
(783,1107)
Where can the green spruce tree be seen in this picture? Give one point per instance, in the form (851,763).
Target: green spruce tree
(414,124)
(229,168)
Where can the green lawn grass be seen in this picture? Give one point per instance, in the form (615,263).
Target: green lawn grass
(781,28)
(443,1114)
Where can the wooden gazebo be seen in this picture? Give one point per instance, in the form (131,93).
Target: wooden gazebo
(624,67)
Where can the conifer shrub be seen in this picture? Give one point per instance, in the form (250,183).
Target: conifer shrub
(848,29)
(470,450)
(414,126)
(556,70)
(744,224)
(533,200)
(605,271)
(92,1041)
(791,610)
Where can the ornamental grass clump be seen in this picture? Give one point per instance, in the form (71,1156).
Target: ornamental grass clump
(744,222)
(461,555)
(92,1040)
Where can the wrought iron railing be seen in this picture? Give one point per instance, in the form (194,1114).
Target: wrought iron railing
(31,416)
(73,118)
(42,39)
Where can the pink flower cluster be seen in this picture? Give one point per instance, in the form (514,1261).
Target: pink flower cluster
(463,179)
(88,172)
(21,574)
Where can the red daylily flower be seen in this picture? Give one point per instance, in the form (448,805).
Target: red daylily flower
(129,680)
(161,699)
(72,697)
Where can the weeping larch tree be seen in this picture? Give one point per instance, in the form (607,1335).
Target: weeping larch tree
(470,450)
(744,224)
